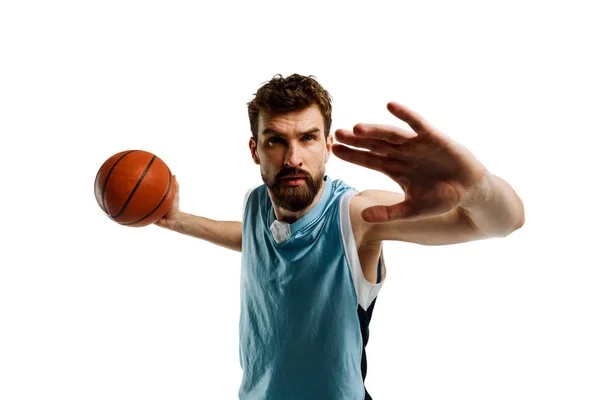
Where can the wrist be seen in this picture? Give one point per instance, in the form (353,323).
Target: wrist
(177,222)
(479,194)
(172,222)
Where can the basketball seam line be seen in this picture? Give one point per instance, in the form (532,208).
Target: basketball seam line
(135,188)
(155,208)
(106,182)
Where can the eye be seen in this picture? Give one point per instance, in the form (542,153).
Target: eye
(308,137)
(273,139)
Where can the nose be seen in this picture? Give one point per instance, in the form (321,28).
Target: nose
(293,157)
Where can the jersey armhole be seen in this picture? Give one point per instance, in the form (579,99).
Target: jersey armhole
(366,291)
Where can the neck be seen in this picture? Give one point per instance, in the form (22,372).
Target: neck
(290,217)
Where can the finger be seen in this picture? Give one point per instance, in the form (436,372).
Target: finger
(176,190)
(375,145)
(395,169)
(363,158)
(412,118)
(409,152)
(389,133)
(406,210)
(382,214)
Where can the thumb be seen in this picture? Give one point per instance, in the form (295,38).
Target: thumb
(379,214)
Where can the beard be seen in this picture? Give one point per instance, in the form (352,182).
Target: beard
(294,198)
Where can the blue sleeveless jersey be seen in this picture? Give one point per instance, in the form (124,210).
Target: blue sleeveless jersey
(305,304)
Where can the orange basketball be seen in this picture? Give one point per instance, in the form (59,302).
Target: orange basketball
(134,188)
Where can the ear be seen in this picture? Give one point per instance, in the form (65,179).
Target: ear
(253,151)
(328,146)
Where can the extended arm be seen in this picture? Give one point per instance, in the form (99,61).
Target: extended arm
(496,214)
(449,196)
(226,234)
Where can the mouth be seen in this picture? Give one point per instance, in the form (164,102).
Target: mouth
(293,180)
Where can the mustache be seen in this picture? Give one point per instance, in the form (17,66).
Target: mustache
(291,171)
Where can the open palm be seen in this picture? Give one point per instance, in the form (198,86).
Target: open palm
(435,172)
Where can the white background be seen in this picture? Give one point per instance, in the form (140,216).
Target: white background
(90,309)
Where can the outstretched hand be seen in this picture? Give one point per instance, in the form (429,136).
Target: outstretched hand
(435,172)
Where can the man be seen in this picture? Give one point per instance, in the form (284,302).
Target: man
(312,262)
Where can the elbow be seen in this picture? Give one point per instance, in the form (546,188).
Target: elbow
(521,217)
(519,222)
(517,215)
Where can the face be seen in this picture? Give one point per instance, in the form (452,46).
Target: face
(292,151)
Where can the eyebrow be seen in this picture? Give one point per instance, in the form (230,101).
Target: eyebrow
(269,131)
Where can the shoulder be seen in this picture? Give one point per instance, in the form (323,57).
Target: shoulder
(252,189)
(248,193)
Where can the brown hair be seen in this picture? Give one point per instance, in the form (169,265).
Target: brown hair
(293,93)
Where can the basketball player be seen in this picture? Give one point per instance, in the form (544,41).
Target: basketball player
(312,262)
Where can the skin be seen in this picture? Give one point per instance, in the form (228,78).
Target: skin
(284,142)
(446,195)
(295,141)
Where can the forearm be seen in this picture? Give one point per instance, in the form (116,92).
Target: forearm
(226,234)
(494,207)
